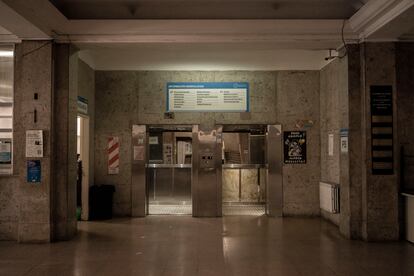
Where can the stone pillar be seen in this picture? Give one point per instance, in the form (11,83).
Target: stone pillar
(379,192)
(47,210)
(369,203)
(351,163)
(64,142)
(33,74)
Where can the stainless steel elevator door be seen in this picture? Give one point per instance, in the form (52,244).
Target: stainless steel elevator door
(169,189)
(168,173)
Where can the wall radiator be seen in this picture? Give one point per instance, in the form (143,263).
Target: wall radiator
(329,197)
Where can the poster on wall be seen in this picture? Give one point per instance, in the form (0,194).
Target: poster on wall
(113,155)
(294,143)
(34,171)
(34,143)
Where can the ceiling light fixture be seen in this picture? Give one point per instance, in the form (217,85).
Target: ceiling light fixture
(6,53)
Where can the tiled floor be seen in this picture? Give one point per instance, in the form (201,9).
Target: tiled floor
(235,245)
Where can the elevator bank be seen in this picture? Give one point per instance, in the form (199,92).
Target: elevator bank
(206,171)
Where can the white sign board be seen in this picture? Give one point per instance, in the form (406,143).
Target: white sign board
(208,97)
(34,143)
(330,144)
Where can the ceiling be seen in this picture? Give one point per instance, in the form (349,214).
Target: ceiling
(208,9)
(206,34)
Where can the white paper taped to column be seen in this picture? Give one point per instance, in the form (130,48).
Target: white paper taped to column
(34,143)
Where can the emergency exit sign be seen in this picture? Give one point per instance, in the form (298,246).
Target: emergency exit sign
(207,97)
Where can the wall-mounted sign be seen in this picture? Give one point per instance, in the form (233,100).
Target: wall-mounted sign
(153,140)
(6,156)
(5,151)
(208,96)
(34,171)
(82,105)
(330,144)
(382,130)
(344,140)
(294,147)
(34,143)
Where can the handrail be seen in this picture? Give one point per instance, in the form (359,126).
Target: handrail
(168,166)
(243,166)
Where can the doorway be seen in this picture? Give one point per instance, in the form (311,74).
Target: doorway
(244,170)
(82,187)
(169,167)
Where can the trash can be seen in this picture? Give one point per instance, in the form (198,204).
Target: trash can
(100,202)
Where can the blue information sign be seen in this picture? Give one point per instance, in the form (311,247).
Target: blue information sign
(208,96)
(34,171)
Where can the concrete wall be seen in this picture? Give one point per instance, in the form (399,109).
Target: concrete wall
(127,97)
(333,116)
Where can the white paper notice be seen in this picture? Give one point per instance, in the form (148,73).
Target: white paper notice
(34,143)
(138,153)
(330,144)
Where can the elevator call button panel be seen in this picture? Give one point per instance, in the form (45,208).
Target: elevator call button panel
(207,160)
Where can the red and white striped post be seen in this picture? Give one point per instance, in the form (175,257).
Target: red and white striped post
(113,155)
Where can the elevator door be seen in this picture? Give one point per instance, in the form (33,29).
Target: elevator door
(251,169)
(169,170)
(244,170)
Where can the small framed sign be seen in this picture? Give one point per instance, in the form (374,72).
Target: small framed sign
(294,143)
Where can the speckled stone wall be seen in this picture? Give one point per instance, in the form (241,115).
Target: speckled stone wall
(333,117)
(124,98)
(379,192)
(116,107)
(297,108)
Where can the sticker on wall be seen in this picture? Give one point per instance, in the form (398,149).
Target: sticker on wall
(113,155)
(294,147)
(344,140)
(34,171)
(34,143)
(167,149)
(139,153)
(304,124)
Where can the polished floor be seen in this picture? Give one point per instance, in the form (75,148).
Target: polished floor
(234,245)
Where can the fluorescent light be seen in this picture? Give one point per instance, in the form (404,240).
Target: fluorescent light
(6,53)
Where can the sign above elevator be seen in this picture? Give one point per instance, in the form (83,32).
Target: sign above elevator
(207,97)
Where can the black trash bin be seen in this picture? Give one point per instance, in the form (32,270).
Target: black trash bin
(100,202)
